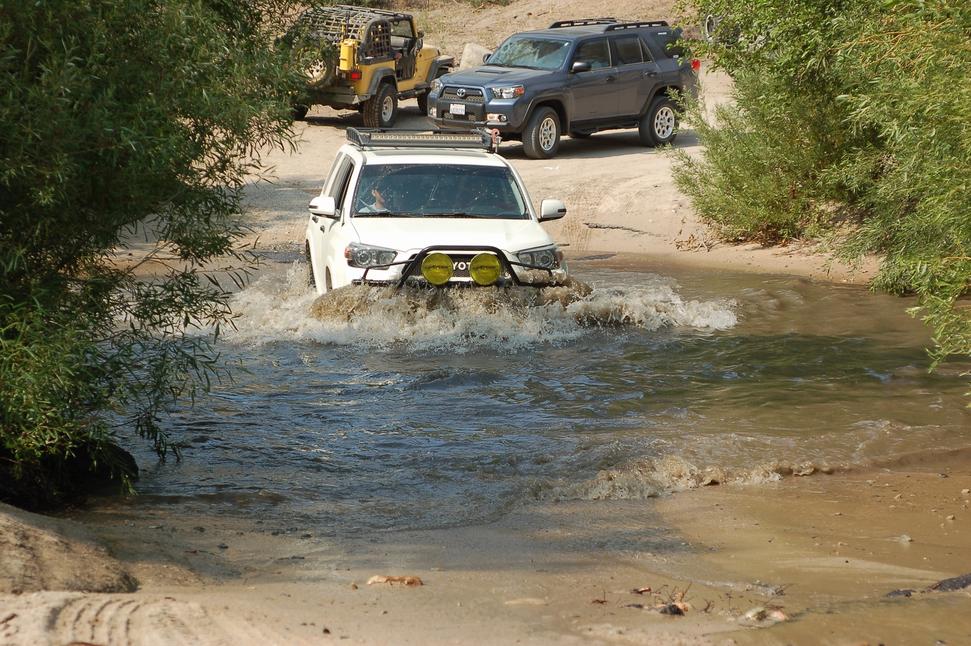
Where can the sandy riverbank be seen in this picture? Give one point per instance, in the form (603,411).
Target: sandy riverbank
(820,552)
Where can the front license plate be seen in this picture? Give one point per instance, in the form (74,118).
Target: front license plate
(457,108)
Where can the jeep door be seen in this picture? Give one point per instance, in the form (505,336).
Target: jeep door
(637,73)
(593,91)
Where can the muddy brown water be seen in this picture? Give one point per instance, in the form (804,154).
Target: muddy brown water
(377,411)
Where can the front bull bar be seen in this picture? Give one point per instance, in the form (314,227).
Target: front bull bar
(413,264)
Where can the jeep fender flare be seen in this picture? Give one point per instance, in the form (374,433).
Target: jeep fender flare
(381,76)
(440,65)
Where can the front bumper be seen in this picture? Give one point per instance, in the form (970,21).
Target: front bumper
(513,273)
(462,107)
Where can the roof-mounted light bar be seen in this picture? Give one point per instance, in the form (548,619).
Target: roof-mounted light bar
(388,138)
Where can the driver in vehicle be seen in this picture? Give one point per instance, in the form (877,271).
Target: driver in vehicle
(379,200)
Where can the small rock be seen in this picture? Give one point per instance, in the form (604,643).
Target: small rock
(671,609)
(199,529)
(763,617)
(950,517)
(904,592)
(904,538)
(966,492)
(223,546)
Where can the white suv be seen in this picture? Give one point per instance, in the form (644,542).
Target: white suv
(428,208)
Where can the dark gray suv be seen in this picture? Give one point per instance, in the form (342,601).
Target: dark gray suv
(577,76)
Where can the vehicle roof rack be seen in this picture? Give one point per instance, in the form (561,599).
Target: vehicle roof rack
(637,25)
(398,138)
(580,22)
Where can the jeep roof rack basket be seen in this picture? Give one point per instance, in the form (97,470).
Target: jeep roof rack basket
(580,22)
(637,25)
(397,138)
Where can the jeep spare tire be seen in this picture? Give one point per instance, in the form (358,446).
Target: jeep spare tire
(321,72)
(541,138)
(659,125)
(382,108)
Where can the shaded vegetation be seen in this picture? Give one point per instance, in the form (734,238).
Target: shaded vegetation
(124,121)
(851,123)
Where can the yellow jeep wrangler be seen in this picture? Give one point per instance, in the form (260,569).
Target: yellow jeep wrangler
(365,59)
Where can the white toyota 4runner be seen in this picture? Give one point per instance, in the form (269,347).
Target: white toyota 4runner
(430,209)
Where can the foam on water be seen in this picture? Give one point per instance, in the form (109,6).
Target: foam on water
(281,307)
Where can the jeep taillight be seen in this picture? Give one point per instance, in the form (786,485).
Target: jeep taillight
(696,64)
(355,75)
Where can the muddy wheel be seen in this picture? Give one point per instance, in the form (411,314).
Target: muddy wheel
(423,104)
(300,112)
(310,266)
(659,125)
(541,138)
(382,108)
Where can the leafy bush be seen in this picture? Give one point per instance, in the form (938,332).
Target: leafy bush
(850,121)
(124,121)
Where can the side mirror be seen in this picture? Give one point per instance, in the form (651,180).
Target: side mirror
(551,210)
(580,66)
(485,57)
(323,205)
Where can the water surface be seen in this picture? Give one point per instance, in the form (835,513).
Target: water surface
(430,411)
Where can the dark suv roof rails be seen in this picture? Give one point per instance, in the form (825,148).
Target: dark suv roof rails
(637,25)
(580,22)
(399,138)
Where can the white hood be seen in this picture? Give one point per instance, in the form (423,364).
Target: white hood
(413,234)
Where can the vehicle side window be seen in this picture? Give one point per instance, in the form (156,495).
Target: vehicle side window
(594,52)
(628,50)
(339,186)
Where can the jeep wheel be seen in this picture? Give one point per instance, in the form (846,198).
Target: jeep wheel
(423,104)
(382,108)
(541,138)
(659,125)
(299,112)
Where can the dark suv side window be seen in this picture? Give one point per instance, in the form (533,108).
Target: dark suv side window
(594,52)
(628,50)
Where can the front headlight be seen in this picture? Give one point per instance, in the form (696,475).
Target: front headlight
(543,257)
(510,92)
(364,256)
(436,85)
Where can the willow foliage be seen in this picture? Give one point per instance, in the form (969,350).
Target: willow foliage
(852,120)
(123,122)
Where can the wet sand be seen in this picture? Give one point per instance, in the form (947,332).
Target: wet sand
(821,552)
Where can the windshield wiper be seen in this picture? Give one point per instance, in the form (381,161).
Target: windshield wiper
(453,214)
(386,214)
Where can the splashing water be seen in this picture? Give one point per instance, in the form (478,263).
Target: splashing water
(281,307)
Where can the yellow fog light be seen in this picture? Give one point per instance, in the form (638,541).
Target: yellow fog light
(436,268)
(484,269)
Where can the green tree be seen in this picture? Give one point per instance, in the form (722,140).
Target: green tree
(124,122)
(850,122)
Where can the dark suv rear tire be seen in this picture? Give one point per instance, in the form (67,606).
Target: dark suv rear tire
(541,138)
(382,108)
(659,125)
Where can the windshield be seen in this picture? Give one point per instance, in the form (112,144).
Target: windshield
(531,52)
(438,190)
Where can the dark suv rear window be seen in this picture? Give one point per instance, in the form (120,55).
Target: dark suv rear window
(628,50)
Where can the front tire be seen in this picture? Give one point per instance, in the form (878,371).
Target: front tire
(659,125)
(423,104)
(310,266)
(541,138)
(381,109)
